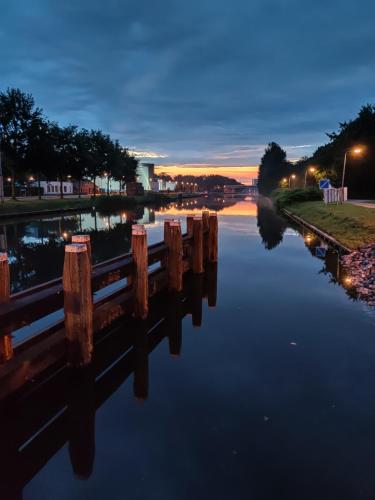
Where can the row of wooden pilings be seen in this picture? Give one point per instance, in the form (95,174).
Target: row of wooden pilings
(78,297)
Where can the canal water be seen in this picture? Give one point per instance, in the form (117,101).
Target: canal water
(272,397)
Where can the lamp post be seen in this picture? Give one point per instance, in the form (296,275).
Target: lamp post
(291,177)
(354,151)
(310,170)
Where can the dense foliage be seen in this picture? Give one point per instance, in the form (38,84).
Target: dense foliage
(284,197)
(207,182)
(30,144)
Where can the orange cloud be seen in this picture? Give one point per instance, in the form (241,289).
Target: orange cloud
(243,174)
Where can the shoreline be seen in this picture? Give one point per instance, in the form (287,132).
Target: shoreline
(67,205)
(345,225)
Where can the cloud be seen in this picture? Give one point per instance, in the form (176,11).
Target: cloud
(208,81)
(147,154)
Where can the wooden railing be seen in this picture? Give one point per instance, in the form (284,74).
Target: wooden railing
(32,431)
(80,303)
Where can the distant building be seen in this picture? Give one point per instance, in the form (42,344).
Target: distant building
(134,189)
(145,175)
(162,185)
(54,187)
(87,187)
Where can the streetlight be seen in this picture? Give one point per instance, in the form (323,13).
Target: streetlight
(310,170)
(355,151)
(293,176)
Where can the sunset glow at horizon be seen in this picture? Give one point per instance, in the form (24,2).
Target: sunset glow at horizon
(243,174)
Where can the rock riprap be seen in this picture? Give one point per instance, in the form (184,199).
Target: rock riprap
(360,269)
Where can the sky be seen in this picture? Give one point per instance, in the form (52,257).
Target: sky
(194,83)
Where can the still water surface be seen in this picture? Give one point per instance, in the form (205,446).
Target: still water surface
(273,397)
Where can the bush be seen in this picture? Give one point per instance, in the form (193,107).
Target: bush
(284,197)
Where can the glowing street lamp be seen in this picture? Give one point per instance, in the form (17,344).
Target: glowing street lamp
(356,151)
(309,170)
(293,176)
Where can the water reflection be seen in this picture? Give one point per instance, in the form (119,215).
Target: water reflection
(63,408)
(330,257)
(36,246)
(271,225)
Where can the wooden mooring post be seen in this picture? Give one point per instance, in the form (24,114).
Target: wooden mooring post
(85,240)
(6,348)
(189,224)
(198,245)
(213,238)
(205,219)
(175,254)
(140,278)
(78,305)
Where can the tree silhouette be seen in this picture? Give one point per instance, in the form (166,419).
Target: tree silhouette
(271,225)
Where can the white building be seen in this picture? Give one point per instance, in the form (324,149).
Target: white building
(145,175)
(53,187)
(163,185)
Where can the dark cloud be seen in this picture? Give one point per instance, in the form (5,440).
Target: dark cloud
(198,80)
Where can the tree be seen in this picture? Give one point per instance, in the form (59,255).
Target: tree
(99,152)
(122,165)
(39,149)
(17,115)
(273,167)
(62,154)
(360,176)
(81,156)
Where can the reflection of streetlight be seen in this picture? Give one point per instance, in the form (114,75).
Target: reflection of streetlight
(355,151)
(309,170)
(293,176)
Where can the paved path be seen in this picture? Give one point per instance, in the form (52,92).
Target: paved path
(363,203)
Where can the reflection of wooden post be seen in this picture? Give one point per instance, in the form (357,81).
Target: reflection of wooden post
(175,257)
(81,423)
(197,293)
(205,219)
(212,284)
(174,324)
(213,238)
(140,381)
(140,279)
(6,349)
(198,245)
(78,306)
(84,239)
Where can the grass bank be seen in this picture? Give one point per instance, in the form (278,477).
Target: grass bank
(24,206)
(351,225)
